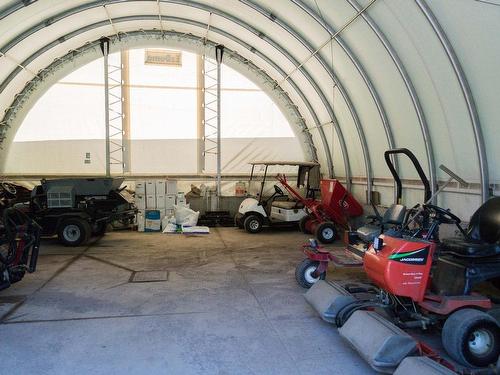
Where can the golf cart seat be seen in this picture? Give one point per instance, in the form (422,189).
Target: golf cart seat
(288,205)
(394,215)
(482,236)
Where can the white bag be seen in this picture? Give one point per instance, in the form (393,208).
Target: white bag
(185,216)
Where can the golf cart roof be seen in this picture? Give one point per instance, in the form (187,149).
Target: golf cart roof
(297,163)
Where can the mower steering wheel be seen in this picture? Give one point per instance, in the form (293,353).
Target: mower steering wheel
(9,188)
(278,190)
(444,216)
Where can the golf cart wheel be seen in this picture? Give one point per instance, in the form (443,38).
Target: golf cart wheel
(304,273)
(302,224)
(471,337)
(253,224)
(326,232)
(74,232)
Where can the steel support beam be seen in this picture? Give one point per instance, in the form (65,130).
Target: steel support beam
(424,127)
(219,52)
(336,81)
(360,69)
(125,76)
(467,94)
(105,53)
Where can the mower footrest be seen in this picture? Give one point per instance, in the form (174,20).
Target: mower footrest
(421,366)
(378,341)
(328,298)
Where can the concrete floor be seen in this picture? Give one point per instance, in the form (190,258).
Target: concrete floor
(230,305)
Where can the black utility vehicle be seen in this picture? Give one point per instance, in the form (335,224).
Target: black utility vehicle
(78,208)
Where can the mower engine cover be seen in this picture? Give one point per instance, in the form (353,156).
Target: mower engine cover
(485,223)
(402,267)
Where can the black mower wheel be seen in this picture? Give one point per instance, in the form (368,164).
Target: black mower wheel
(74,232)
(302,224)
(303,273)
(326,232)
(472,338)
(253,224)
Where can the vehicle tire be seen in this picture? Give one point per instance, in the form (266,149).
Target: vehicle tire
(99,229)
(237,223)
(74,232)
(302,224)
(303,273)
(471,337)
(326,232)
(253,224)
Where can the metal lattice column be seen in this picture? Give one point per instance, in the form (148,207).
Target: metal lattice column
(113,112)
(210,107)
(212,113)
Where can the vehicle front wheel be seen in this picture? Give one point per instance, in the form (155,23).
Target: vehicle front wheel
(253,224)
(326,232)
(471,337)
(74,232)
(304,273)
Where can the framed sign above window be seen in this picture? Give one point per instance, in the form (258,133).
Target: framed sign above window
(163,57)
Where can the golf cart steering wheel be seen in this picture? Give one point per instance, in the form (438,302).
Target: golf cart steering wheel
(278,190)
(445,216)
(9,188)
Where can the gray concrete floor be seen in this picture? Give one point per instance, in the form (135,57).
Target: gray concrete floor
(230,305)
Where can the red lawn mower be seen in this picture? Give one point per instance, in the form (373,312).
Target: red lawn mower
(19,246)
(325,216)
(420,281)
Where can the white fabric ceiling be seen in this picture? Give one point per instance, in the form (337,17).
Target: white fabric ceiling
(365,75)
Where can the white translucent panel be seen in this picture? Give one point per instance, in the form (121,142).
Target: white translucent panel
(251,114)
(66,111)
(233,79)
(163,113)
(89,73)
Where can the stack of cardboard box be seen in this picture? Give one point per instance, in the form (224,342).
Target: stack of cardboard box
(159,196)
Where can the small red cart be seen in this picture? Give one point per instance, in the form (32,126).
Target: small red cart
(325,216)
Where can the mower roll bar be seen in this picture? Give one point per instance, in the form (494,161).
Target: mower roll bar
(395,175)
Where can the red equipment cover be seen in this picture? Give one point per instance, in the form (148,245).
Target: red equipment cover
(402,267)
(335,196)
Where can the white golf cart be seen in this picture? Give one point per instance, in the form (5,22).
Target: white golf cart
(277,209)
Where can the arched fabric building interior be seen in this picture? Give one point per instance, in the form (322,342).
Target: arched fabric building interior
(361,80)
(351,78)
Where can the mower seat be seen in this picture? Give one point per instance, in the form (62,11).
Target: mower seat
(394,215)
(463,248)
(482,236)
(288,205)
